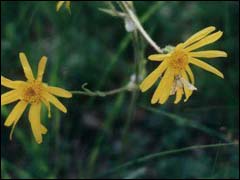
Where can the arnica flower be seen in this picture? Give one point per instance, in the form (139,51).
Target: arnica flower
(32,92)
(67,5)
(177,77)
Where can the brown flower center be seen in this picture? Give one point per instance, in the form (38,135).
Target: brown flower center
(32,92)
(179,60)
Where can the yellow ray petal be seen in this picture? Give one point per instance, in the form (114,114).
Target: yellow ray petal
(199,35)
(153,77)
(41,68)
(26,67)
(165,93)
(160,87)
(178,96)
(206,66)
(16,113)
(35,121)
(47,104)
(190,73)
(9,97)
(187,91)
(59,5)
(157,57)
(208,54)
(68,6)
(55,102)
(11,84)
(43,129)
(7,82)
(205,41)
(59,92)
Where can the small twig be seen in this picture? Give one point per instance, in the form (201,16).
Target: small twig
(140,28)
(87,92)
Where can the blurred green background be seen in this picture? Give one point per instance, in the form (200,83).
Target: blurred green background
(93,47)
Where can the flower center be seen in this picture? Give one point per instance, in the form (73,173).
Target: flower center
(179,60)
(32,92)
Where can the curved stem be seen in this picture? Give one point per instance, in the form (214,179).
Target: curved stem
(140,28)
(87,92)
(164,153)
(134,96)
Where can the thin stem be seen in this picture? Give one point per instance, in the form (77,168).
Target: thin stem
(217,153)
(164,153)
(140,28)
(87,92)
(132,106)
(123,45)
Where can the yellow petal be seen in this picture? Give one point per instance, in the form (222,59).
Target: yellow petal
(35,121)
(153,77)
(187,91)
(55,102)
(43,129)
(165,93)
(26,67)
(178,96)
(47,104)
(59,92)
(41,68)
(68,6)
(7,82)
(208,54)
(160,87)
(190,73)
(205,41)
(9,97)
(157,57)
(10,84)
(199,35)
(206,66)
(16,113)
(59,5)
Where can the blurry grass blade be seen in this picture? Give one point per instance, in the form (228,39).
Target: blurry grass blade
(18,172)
(112,13)
(4,111)
(123,46)
(164,153)
(137,173)
(4,172)
(180,121)
(108,123)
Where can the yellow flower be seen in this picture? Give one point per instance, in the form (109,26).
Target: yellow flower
(175,69)
(32,92)
(67,5)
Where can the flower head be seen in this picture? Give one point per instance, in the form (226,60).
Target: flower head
(177,76)
(32,92)
(67,5)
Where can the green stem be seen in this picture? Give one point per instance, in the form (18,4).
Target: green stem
(132,106)
(87,92)
(164,153)
(123,45)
